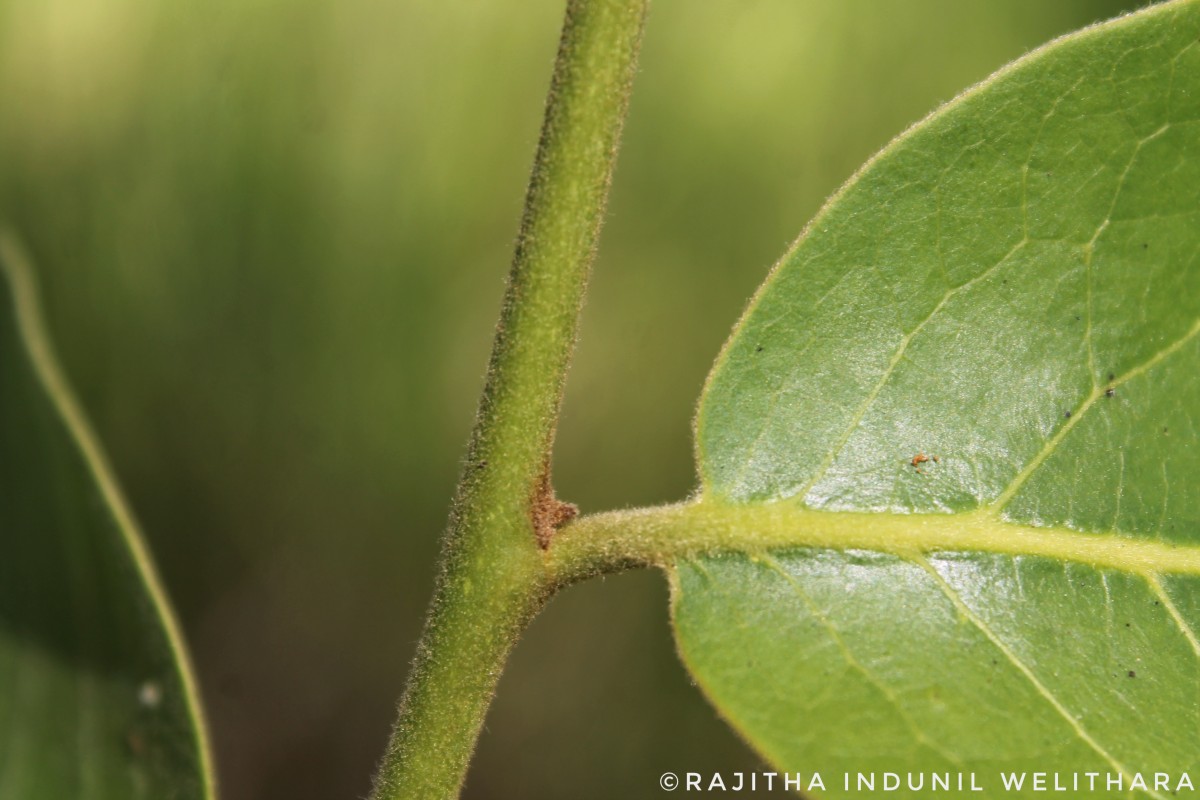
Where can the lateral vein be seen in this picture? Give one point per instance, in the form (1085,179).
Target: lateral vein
(968,613)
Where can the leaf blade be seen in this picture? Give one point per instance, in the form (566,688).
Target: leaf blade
(100,700)
(942,712)
(1010,286)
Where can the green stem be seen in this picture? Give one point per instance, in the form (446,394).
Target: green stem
(494,575)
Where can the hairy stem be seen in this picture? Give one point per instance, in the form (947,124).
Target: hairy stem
(494,576)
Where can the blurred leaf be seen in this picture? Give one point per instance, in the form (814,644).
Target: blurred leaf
(96,700)
(1011,286)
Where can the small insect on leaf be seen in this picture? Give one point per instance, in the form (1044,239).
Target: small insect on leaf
(921,458)
(918,460)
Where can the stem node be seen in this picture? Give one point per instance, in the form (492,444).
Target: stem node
(494,578)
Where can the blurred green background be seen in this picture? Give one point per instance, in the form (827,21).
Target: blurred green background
(273,236)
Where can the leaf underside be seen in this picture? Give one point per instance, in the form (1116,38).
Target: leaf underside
(1014,287)
(94,694)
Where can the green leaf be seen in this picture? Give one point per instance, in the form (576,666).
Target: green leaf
(96,696)
(1014,287)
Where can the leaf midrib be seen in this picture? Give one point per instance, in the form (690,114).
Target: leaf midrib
(666,534)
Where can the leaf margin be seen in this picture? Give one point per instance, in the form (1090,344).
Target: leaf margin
(29,323)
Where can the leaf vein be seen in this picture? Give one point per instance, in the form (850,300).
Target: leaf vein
(954,597)
(861,412)
(1052,443)
(889,694)
(1182,624)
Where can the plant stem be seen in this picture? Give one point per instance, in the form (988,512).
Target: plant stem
(494,576)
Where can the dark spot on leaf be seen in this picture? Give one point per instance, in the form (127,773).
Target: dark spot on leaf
(1067,414)
(1164,429)
(1145,245)
(1077,318)
(1126,624)
(1111,376)
(1131,674)
(758,349)
(1109,392)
